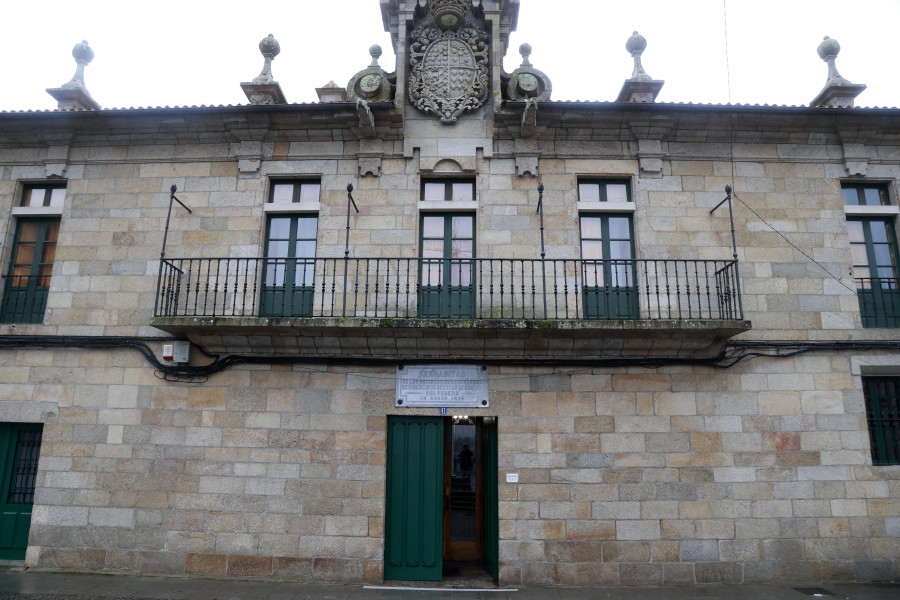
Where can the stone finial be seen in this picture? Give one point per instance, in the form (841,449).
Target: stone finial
(525,51)
(528,83)
(74,95)
(375,53)
(641,87)
(269,48)
(264,89)
(838,91)
(372,84)
(636,45)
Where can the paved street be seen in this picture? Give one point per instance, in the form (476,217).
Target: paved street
(52,586)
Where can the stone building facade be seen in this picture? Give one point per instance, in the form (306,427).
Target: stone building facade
(644,412)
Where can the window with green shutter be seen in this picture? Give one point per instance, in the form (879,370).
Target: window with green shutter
(873,247)
(883,416)
(608,266)
(289,266)
(28,280)
(446,282)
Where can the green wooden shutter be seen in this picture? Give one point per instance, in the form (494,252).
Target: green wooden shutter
(28,282)
(413,539)
(882,395)
(20,446)
(490,497)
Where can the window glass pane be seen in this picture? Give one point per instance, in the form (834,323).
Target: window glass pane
(883,255)
(282,193)
(851,196)
(279,228)
(616,192)
(433,227)
(855,229)
(619,228)
(431,273)
(29,231)
(461,273)
(591,250)
(873,196)
(25,254)
(462,227)
(887,275)
(620,249)
(57,196)
(432,249)
(34,196)
(44,273)
(858,253)
(48,253)
(304,273)
(593,273)
(463,191)
(278,248)
(275,272)
(306,227)
(433,192)
(306,249)
(462,249)
(879,231)
(309,192)
(590,228)
(620,275)
(589,192)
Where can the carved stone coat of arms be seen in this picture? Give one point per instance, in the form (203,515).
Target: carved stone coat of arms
(449,69)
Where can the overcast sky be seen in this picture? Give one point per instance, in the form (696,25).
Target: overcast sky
(186,52)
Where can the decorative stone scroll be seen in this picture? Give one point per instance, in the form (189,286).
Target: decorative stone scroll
(528,83)
(372,84)
(449,64)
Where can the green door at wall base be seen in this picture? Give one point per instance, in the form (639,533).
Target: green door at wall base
(19,450)
(413,519)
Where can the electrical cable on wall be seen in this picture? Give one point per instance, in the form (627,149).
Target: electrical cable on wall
(733,353)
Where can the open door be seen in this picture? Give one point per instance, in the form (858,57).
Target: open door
(491,498)
(463,489)
(413,516)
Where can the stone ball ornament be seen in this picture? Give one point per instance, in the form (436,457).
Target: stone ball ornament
(82,52)
(828,47)
(269,46)
(636,44)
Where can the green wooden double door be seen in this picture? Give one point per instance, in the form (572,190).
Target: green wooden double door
(20,446)
(442,499)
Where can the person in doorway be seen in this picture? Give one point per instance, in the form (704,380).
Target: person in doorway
(466,464)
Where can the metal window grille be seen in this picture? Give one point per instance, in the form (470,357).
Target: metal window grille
(25,467)
(883,415)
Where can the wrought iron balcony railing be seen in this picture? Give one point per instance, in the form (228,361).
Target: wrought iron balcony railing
(879,301)
(422,288)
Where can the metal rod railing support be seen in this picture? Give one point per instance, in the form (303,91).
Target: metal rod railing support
(347,244)
(737,274)
(162,253)
(540,209)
